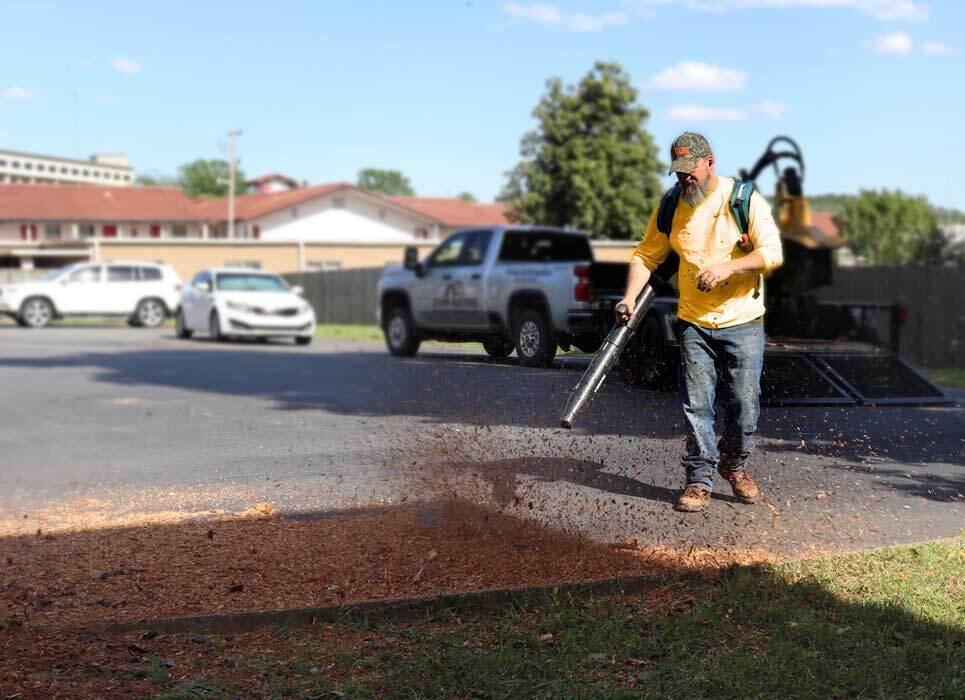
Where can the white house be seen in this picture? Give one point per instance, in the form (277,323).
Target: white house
(344,213)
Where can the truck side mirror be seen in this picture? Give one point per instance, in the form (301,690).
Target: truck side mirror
(411,258)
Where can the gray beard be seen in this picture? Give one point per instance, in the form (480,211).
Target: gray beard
(696,192)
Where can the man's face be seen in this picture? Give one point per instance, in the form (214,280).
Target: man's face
(695,186)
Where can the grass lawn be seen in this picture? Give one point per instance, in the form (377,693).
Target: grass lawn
(365,333)
(883,624)
(947,376)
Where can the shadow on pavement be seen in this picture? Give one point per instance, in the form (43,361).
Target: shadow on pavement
(457,388)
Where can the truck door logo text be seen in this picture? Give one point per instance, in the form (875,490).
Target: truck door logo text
(454,297)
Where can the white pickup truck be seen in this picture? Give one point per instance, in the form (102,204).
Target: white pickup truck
(530,289)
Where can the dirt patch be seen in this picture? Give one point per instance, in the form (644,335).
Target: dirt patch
(267,563)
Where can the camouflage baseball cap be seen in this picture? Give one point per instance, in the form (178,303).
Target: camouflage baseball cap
(686,150)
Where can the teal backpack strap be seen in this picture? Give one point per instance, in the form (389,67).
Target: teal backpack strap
(740,206)
(668,206)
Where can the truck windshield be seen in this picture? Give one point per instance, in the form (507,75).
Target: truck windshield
(241,282)
(544,246)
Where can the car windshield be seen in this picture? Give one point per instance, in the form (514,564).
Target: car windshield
(242,282)
(51,276)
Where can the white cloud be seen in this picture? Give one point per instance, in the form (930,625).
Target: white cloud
(898,43)
(937,48)
(698,113)
(885,10)
(691,75)
(15,92)
(126,66)
(771,109)
(552,16)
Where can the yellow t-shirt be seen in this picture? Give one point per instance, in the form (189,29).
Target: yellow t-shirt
(708,235)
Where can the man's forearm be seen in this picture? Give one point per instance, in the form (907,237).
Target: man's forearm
(750,264)
(637,278)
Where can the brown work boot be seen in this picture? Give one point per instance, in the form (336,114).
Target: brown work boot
(693,499)
(742,485)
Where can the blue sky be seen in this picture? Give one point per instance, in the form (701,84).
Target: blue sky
(444,89)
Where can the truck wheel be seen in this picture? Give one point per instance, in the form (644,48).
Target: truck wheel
(646,359)
(498,347)
(535,345)
(401,335)
(36,312)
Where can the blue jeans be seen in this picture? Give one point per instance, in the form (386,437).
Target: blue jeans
(731,359)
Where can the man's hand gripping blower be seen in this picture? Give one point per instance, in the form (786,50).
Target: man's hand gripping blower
(607,355)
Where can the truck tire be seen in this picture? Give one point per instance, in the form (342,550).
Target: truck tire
(535,344)
(498,347)
(401,335)
(646,359)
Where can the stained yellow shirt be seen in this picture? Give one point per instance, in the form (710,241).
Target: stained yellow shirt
(706,235)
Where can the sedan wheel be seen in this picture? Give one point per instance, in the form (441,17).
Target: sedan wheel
(214,328)
(181,326)
(37,313)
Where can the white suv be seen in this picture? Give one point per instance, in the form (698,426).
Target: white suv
(143,292)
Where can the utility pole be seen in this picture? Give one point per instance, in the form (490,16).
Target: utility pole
(232,135)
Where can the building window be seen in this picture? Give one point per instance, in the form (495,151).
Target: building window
(87,230)
(28,166)
(127,178)
(63,170)
(73,171)
(244,264)
(338,203)
(179,231)
(3,163)
(52,231)
(40,167)
(15,164)
(86,173)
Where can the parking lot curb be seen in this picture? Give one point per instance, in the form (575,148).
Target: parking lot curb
(397,608)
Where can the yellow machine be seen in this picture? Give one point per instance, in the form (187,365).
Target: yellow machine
(793,214)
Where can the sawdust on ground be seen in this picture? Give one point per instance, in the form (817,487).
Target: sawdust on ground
(266,562)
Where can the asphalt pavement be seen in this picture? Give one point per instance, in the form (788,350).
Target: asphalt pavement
(137,421)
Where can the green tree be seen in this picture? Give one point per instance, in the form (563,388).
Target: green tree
(467,197)
(891,228)
(390,182)
(209,178)
(156,181)
(590,163)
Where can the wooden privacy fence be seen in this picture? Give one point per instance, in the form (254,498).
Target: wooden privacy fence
(934,335)
(341,296)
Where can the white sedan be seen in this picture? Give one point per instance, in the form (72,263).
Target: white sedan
(237,303)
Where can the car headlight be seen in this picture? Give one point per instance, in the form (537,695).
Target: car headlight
(240,307)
